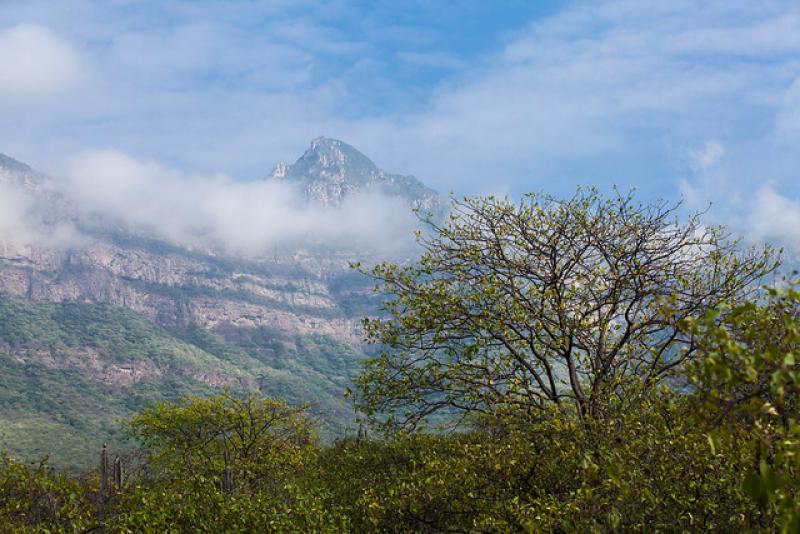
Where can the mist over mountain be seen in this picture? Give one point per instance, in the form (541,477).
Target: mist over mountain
(332,197)
(125,282)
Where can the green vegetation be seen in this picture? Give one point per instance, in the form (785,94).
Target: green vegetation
(664,402)
(63,415)
(72,372)
(750,378)
(519,306)
(692,462)
(308,368)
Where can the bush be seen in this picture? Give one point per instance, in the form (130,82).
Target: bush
(33,499)
(651,468)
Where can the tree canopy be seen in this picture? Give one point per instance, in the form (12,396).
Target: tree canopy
(546,301)
(260,438)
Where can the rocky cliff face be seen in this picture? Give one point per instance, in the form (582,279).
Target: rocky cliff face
(173,288)
(172,285)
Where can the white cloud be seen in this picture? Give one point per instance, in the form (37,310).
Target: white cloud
(776,217)
(691,193)
(36,62)
(15,232)
(704,159)
(700,190)
(598,92)
(602,92)
(235,216)
(24,223)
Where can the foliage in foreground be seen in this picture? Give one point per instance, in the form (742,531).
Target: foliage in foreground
(641,391)
(651,470)
(749,378)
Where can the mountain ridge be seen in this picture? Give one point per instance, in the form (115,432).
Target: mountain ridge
(14,172)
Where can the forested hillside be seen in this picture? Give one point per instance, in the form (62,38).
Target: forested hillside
(73,372)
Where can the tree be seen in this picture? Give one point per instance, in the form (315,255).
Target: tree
(749,376)
(257,440)
(548,301)
(227,463)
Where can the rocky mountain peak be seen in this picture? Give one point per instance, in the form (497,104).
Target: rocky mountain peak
(10,164)
(333,162)
(338,160)
(331,169)
(16,173)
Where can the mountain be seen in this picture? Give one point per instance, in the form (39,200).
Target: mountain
(13,169)
(94,329)
(331,170)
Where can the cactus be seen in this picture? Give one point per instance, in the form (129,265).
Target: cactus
(362,433)
(104,472)
(227,475)
(118,473)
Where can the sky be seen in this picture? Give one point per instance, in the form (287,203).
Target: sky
(698,101)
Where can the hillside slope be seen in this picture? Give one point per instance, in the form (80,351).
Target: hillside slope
(72,371)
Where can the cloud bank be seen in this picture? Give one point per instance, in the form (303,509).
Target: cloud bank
(776,217)
(233,216)
(17,231)
(27,222)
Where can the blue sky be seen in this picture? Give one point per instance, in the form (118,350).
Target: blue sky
(680,99)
